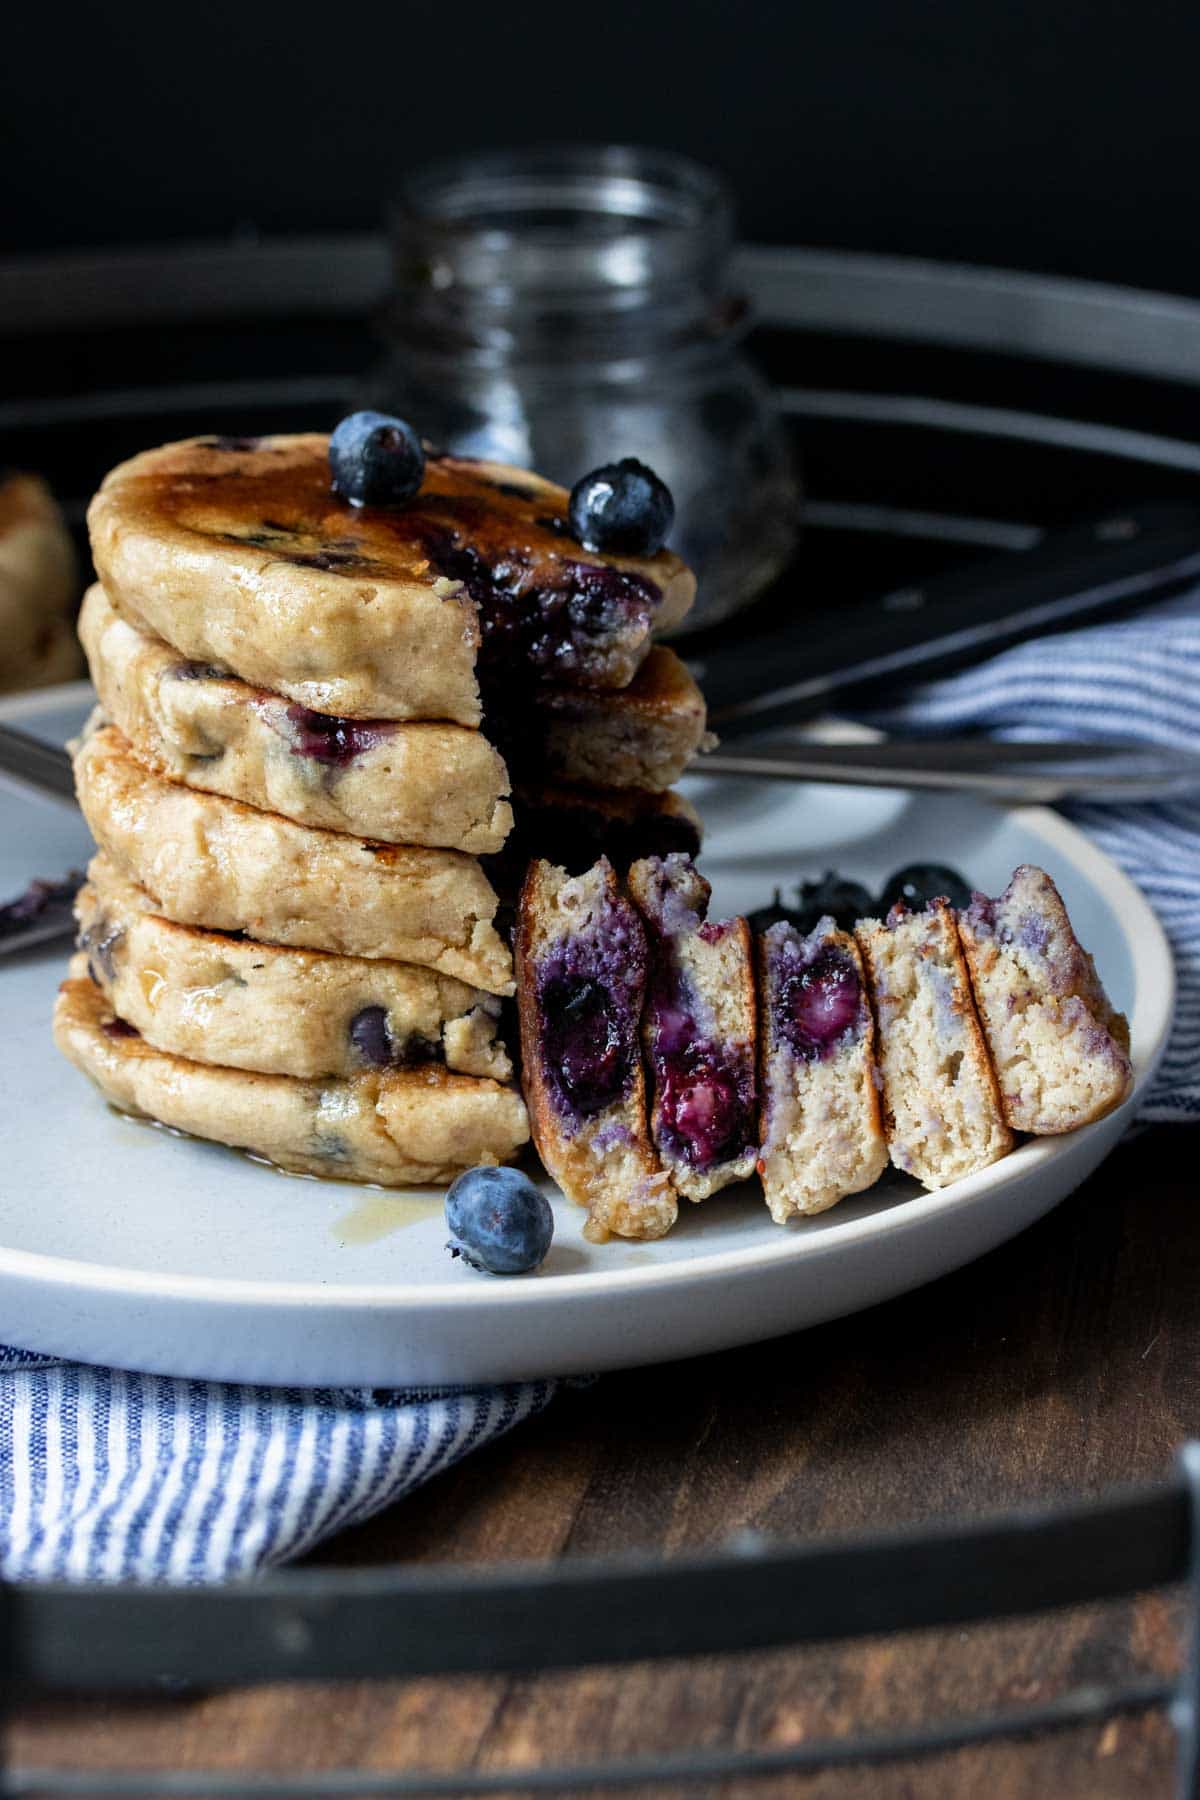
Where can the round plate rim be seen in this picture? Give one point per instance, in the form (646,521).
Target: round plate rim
(1150,1023)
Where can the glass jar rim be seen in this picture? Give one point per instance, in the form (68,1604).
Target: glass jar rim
(575,219)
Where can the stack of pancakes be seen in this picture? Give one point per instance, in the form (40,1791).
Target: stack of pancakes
(327,739)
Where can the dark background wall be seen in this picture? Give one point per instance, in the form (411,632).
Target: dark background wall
(1052,134)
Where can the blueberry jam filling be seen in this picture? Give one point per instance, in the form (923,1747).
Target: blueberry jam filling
(118,1028)
(329,739)
(587,1046)
(704,1090)
(198,671)
(552,630)
(817,999)
(704,1105)
(589,992)
(378,1049)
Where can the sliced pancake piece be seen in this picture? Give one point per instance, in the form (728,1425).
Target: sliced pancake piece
(436,785)
(643,736)
(397,1127)
(217,998)
(581,976)
(238,552)
(698,1029)
(39,585)
(205,860)
(1060,1049)
(822,1136)
(941,1103)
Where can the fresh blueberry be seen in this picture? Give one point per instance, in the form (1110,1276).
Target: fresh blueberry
(776,913)
(371,1038)
(375,460)
(918,883)
(498,1221)
(844,901)
(622,507)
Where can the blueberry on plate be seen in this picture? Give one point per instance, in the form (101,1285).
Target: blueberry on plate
(622,507)
(777,913)
(918,883)
(499,1222)
(375,460)
(846,902)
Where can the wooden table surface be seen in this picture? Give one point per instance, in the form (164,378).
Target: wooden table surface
(1058,1365)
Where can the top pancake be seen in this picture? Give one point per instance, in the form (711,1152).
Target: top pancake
(238,552)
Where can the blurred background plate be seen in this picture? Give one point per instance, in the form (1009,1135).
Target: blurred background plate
(121,1243)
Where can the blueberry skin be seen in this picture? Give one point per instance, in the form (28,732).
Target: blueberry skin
(777,913)
(622,507)
(375,460)
(498,1221)
(844,900)
(919,883)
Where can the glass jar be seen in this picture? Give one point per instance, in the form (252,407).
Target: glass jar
(565,307)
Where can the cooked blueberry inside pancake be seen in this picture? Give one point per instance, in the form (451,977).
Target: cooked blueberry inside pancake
(589,995)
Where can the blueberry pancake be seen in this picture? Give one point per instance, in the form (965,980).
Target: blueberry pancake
(418,783)
(208,861)
(941,1103)
(239,553)
(581,976)
(1060,1049)
(217,998)
(822,1136)
(398,1127)
(698,1029)
(38,586)
(643,736)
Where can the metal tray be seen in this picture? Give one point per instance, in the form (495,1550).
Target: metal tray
(942,413)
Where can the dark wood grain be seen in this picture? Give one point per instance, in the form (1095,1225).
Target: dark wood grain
(1060,1364)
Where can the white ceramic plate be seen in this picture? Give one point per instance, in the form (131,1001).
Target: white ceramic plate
(121,1243)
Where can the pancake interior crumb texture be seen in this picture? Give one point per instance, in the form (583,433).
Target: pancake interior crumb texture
(941,1102)
(822,1135)
(1060,1048)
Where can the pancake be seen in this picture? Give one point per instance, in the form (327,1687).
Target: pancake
(213,862)
(238,553)
(400,1128)
(218,998)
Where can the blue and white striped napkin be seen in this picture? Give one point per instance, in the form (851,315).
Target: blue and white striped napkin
(1136,680)
(109,1476)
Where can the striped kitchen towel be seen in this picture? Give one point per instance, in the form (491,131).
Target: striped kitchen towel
(107,1476)
(1136,680)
